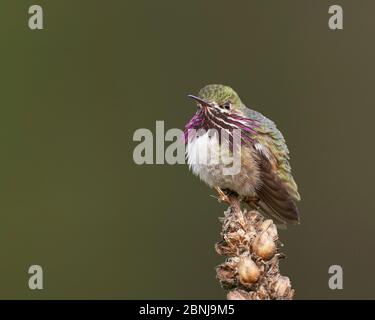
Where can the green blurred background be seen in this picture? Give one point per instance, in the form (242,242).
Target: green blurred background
(72,95)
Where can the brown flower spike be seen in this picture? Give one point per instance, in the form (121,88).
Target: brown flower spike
(251,270)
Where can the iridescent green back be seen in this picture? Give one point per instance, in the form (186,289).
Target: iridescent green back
(270,136)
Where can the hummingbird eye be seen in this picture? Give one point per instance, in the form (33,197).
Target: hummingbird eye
(226,105)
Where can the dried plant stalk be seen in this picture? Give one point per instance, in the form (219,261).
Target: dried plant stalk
(251,270)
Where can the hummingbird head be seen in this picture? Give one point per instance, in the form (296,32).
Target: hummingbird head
(218,98)
(220,108)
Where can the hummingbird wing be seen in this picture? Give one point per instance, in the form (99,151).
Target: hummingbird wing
(278,191)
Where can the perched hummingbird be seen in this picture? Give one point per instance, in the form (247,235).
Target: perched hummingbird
(265,174)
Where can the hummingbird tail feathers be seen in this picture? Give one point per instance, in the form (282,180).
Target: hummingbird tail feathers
(281,216)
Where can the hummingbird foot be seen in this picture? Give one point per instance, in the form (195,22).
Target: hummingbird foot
(222,196)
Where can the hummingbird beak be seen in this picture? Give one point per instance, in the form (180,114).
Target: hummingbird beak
(200,101)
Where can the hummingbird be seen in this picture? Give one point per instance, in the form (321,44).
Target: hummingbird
(265,178)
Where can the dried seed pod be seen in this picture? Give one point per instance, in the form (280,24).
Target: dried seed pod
(251,270)
(282,286)
(265,225)
(225,277)
(262,292)
(237,295)
(223,248)
(269,227)
(226,272)
(248,271)
(264,246)
(252,217)
(272,231)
